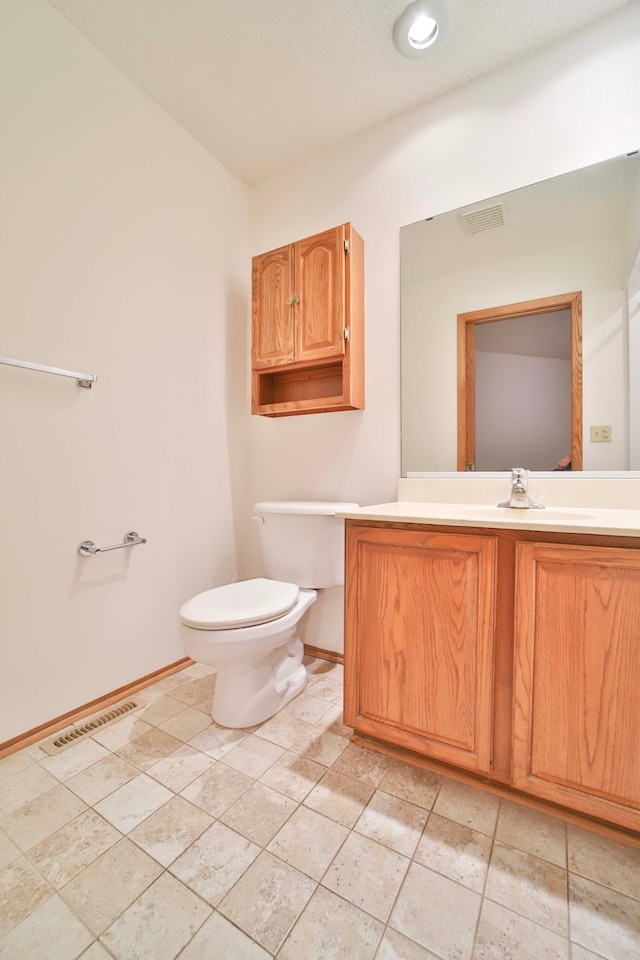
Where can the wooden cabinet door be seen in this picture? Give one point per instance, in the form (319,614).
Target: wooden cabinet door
(272,281)
(419,641)
(320,287)
(577,678)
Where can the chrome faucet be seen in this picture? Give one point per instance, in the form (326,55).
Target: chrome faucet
(520,491)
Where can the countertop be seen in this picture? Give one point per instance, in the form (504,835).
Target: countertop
(563,519)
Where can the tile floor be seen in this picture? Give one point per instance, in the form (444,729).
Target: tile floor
(167,836)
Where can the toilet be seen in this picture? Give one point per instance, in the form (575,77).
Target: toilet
(250,630)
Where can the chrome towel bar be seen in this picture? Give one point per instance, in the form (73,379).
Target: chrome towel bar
(84,379)
(88,548)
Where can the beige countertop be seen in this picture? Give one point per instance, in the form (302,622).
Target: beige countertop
(563,519)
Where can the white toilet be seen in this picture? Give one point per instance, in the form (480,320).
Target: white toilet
(250,630)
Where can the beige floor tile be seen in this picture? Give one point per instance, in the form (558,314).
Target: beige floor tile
(217,741)
(367,874)
(22,889)
(330,929)
(606,861)
(580,953)
(8,850)
(603,920)
(22,786)
(73,847)
(176,914)
(51,932)
(186,724)
(180,768)
(161,687)
(437,913)
(197,670)
(133,803)
(366,765)
(411,783)
(267,900)
(97,782)
(469,805)
(253,756)
(456,851)
(110,884)
(531,887)
(13,763)
(170,830)
(339,798)
(160,709)
(307,707)
(392,822)
(149,748)
(533,831)
(204,706)
(216,789)
(259,813)
(395,946)
(309,842)
(502,933)
(95,952)
(215,862)
(74,759)
(284,729)
(325,688)
(193,691)
(217,938)
(43,816)
(332,722)
(124,731)
(320,746)
(293,775)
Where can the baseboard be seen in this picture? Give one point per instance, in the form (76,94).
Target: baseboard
(94,706)
(323,654)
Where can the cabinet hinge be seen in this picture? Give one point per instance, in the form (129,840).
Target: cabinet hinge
(346,246)
(347,333)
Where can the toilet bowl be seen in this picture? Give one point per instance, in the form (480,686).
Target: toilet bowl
(250,631)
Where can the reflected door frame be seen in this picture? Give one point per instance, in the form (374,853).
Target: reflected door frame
(466,368)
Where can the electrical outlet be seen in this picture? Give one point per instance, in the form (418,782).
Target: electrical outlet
(601,434)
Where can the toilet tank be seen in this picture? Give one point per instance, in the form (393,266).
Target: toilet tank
(303,541)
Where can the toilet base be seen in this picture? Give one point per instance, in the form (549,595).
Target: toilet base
(247,694)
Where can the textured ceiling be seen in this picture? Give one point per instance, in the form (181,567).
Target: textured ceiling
(262,83)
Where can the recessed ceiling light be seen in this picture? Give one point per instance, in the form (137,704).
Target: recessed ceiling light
(420,26)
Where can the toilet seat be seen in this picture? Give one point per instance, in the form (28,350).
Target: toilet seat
(243,604)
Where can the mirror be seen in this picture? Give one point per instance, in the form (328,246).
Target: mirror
(577,233)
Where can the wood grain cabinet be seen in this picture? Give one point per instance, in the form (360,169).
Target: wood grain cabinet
(308,325)
(576,729)
(419,641)
(511,654)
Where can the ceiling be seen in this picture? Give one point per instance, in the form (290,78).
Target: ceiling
(262,83)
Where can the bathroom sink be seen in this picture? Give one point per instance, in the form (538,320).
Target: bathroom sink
(501,514)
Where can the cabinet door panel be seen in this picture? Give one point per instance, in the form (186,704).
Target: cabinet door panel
(577,676)
(272,287)
(320,286)
(421,613)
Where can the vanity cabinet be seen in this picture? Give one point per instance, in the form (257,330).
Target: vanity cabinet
(576,726)
(511,654)
(308,325)
(419,641)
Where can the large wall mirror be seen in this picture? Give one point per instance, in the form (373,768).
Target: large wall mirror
(520,328)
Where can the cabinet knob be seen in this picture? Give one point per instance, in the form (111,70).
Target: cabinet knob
(293,299)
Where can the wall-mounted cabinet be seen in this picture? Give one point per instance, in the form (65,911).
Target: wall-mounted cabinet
(510,654)
(308,325)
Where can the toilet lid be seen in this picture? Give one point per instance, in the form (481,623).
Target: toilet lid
(241,604)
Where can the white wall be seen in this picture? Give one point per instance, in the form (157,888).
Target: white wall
(523,411)
(569,105)
(123,251)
